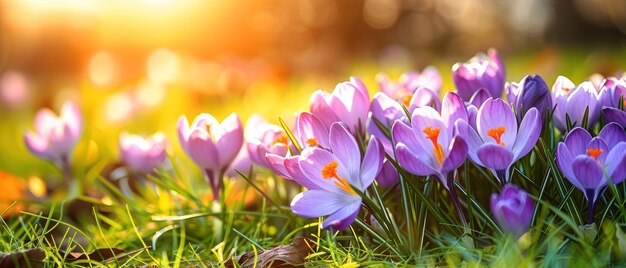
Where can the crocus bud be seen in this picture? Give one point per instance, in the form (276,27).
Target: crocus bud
(270,139)
(532,91)
(211,145)
(513,210)
(572,101)
(615,102)
(143,154)
(348,103)
(481,71)
(55,136)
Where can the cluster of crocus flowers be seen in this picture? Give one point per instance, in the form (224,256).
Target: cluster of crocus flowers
(212,145)
(589,163)
(55,136)
(143,155)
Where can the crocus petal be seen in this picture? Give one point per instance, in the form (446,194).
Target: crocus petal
(308,126)
(202,150)
(343,217)
(372,162)
(496,113)
(412,163)
(494,156)
(229,144)
(616,163)
(529,131)
(72,117)
(612,134)
(45,122)
(404,134)
(183,132)
(577,140)
(37,145)
(452,109)
(277,164)
(564,161)
(319,105)
(346,149)
(588,172)
(292,165)
(424,118)
(598,143)
(615,115)
(479,97)
(456,156)
(388,175)
(471,138)
(313,160)
(317,203)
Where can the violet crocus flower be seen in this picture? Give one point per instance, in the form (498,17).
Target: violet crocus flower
(270,139)
(572,101)
(497,142)
(513,210)
(211,145)
(348,103)
(386,111)
(331,177)
(589,162)
(55,136)
(481,71)
(613,110)
(409,82)
(308,132)
(429,147)
(141,154)
(531,91)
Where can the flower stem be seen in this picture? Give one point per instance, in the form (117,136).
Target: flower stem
(66,169)
(592,206)
(456,201)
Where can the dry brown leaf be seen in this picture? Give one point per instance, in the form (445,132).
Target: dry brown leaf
(280,256)
(29,258)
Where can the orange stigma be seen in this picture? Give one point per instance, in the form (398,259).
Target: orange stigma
(330,172)
(406,100)
(594,152)
(433,134)
(282,138)
(566,89)
(311,142)
(496,134)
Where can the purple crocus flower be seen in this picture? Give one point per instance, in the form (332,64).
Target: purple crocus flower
(588,162)
(480,96)
(572,101)
(497,142)
(386,111)
(211,145)
(332,176)
(409,82)
(348,103)
(513,209)
(531,91)
(309,132)
(420,98)
(141,154)
(55,136)
(270,139)
(616,92)
(429,146)
(481,71)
